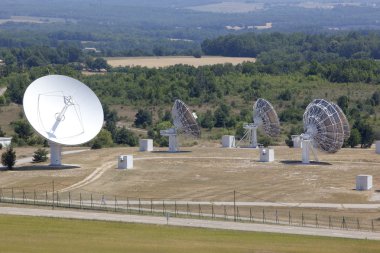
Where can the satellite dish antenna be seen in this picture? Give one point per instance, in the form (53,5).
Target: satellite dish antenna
(64,111)
(184,122)
(325,128)
(263,115)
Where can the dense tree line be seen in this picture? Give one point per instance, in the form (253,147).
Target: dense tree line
(346,57)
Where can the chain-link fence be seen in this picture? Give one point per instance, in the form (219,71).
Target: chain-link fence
(228,211)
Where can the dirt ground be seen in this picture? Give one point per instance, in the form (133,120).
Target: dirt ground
(206,173)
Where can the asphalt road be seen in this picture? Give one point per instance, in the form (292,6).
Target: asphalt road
(190,223)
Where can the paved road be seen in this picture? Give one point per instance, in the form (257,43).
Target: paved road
(189,223)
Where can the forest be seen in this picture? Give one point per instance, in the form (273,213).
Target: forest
(222,95)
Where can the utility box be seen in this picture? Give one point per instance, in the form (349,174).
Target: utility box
(363,182)
(266,154)
(125,162)
(5,141)
(296,141)
(377,147)
(146,145)
(228,141)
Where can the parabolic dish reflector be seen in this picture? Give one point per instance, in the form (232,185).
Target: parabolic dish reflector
(63,110)
(346,125)
(264,111)
(324,126)
(184,120)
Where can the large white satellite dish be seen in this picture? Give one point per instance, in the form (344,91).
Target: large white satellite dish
(263,115)
(64,111)
(325,128)
(184,123)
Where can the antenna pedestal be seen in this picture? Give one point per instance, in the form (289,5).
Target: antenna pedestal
(305,151)
(55,154)
(172,133)
(250,135)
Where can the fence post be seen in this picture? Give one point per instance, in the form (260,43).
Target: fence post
(57,199)
(250,214)
(199,211)
(277,221)
(23,196)
(46,198)
(290,218)
(225,213)
(115,203)
(188,209)
(151,206)
(263,215)
(316,221)
(372,226)
(34,197)
(357,223)
(91,200)
(127,204)
(13,196)
(163,207)
(212,211)
(175,208)
(52,206)
(234,205)
(237,213)
(69,200)
(330,224)
(139,205)
(1,194)
(344,225)
(302,220)
(80,200)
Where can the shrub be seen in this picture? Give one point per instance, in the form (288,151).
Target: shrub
(40,155)
(8,158)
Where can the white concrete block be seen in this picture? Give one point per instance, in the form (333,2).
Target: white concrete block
(5,141)
(125,162)
(296,141)
(228,141)
(377,147)
(266,154)
(363,182)
(146,145)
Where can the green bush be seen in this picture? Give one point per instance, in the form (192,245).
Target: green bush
(8,158)
(40,155)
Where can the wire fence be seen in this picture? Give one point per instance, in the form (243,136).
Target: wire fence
(229,211)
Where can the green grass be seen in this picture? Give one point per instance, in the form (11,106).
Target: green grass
(35,234)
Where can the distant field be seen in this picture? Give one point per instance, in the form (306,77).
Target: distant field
(165,61)
(35,234)
(33,20)
(228,7)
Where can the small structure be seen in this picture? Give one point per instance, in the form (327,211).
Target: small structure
(228,141)
(146,145)
(266,154)
(296,141)
(125,162)
(377,147)
(5,141)
(363,182)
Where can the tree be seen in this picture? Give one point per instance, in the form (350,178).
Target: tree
(8,158)
(22,129)
(343,103)
(124,136)
(103,139)
(143,118)
(355,138)
(376,98)
(40,155)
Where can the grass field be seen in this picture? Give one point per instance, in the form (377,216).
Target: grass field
(35,234)
(165,61)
